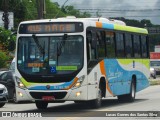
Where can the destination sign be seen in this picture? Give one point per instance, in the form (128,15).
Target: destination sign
(43,28)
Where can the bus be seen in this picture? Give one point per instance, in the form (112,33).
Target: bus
(81,60)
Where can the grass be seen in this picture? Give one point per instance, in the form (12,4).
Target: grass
(154,82)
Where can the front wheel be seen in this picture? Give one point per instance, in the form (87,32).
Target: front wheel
(97,102)
(15,97)
(2,104)
(41,104)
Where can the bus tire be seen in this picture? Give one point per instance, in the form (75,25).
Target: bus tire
(41,104)
(15,97)
(2,104)
(97,102)
(129,97)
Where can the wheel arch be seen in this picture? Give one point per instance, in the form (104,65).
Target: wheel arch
(102,86)
(134,80)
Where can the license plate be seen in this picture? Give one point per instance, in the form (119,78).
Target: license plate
(48,98)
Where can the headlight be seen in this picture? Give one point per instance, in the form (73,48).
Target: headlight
(151,69)
(20,84)
(80,81)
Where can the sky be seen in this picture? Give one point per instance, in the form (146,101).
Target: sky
(129,9)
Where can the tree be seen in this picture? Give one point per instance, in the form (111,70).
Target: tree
(3,59)
(7,39)
(70,10)
(146,23)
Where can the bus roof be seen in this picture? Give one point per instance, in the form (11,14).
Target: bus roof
(94,22)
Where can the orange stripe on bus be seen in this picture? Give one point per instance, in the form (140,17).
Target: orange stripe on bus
(103,72)
(102,68)
(74,81)
(99,24)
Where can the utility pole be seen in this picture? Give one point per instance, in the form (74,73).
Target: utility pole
(5,14)
(41,8)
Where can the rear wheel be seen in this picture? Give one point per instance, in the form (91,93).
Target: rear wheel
(131,96)
(41,104)
(2,104)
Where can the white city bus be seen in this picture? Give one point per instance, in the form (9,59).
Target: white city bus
(81,59)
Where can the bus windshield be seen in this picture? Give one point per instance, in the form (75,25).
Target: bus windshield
(50,55)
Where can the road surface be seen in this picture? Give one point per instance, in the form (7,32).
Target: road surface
(146,100)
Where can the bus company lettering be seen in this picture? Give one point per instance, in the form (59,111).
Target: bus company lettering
(115,74)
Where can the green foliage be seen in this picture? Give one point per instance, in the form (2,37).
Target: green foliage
(3,59)
(7,39)
(70,10)
(24,10)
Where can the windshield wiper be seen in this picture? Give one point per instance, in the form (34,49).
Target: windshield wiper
(61,44)
(38,44)
(59,48)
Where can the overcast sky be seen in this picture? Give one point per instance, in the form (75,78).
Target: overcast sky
(130,9)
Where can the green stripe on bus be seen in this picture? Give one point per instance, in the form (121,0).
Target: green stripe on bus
(66,67)
(145,62)
(28,84)
(130,29)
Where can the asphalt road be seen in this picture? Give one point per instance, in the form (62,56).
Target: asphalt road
(146,100)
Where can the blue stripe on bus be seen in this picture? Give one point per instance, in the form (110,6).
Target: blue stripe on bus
(108,26)
(52,87)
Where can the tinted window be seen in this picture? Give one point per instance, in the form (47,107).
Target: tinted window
(137,50)
(100,44)
(3,77)
(120,45)
(128,45)
(144,46)
(110,44)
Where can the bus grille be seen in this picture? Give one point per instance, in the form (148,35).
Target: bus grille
(39,95)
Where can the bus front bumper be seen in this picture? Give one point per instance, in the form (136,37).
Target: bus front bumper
(73,94)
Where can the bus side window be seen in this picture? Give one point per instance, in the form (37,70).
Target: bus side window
(120,45)
(100,44)
(90,50)
(144,46)
(137,49)
(128,45)
(110,44)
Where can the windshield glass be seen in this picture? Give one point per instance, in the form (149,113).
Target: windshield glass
(155,63)
(50,55)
